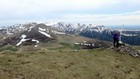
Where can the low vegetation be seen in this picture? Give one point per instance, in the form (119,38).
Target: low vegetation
(136,47)
(8,47)
(67,64)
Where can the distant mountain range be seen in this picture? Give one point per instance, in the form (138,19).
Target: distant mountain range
(34,33)
(44,32)
(99,32)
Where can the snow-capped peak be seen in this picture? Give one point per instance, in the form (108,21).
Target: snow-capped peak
(101,28)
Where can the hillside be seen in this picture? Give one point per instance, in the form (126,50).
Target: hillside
(38,51)
(66,63)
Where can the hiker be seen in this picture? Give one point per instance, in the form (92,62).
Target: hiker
(116,38)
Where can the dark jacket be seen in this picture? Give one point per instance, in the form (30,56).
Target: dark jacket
(115,35)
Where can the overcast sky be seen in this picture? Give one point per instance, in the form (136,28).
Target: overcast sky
(99,12)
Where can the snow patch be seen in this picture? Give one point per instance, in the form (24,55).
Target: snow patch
(30,28)
(22,40)
(98,29)
(76,43)
(35,41)
(87,44)
(93,44)
(23,36)
(48,35)
(56,32)
(41,29)
(36,46)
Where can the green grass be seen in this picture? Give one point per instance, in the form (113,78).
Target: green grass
(69,64)
(136,47)
(9,48)
(65,44)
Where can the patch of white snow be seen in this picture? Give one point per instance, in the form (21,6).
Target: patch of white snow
(23,36)
(76,43)
(48,35)
(36,46)
(22,40)
(41,29)
(30,28)
(56,32)
(35,41)
(93,44)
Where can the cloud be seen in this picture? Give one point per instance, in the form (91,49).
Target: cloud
(22,8)
(91,10)
(129,18)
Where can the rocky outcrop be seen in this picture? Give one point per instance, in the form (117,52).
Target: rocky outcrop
(128,49)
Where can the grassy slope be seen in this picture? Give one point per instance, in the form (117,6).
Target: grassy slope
(68,64)
(62,60)
(136,47)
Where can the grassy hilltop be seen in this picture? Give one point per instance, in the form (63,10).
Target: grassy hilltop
(66,62)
